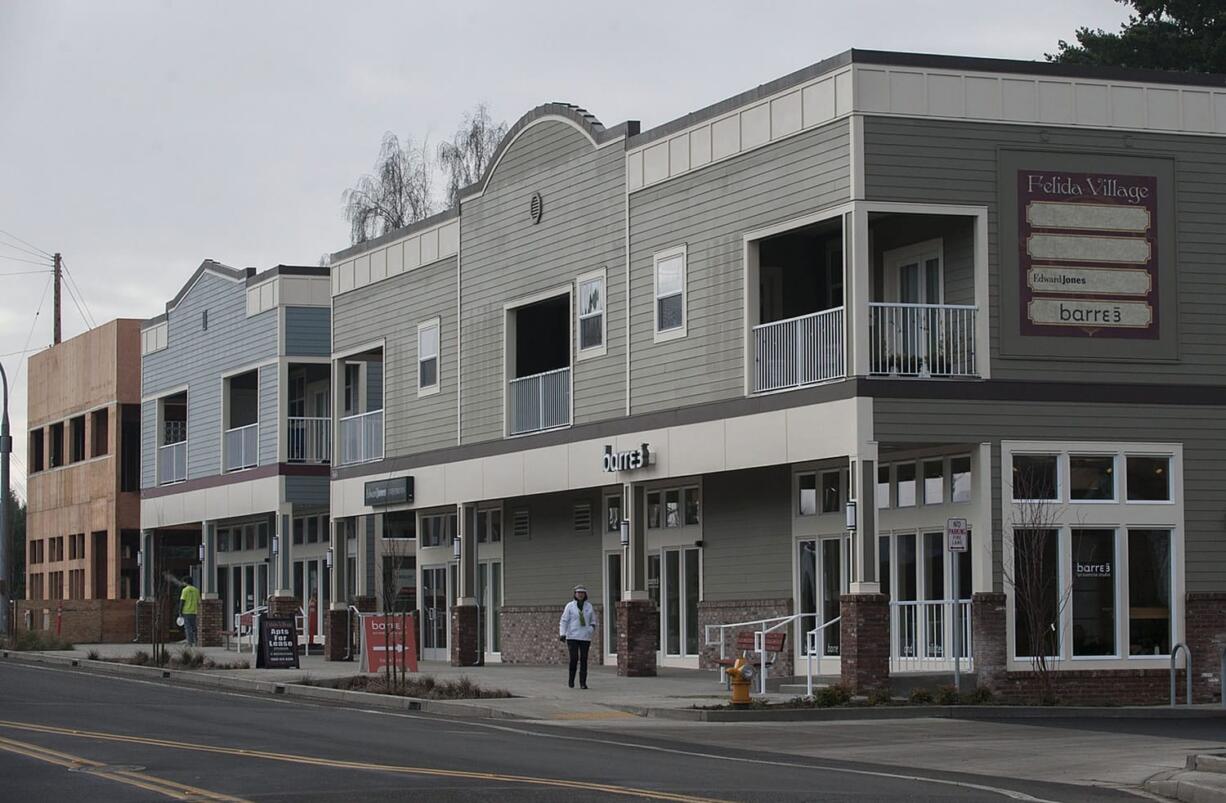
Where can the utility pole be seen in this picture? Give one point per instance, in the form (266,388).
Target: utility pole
(6,446)
(58,273)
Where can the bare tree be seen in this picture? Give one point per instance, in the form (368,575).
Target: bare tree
(397,193)
(395,559)
(465,157)
(1031,555)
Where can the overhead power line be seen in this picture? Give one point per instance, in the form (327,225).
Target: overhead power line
(72,282)
(25,243)
(25,252)
(76,303)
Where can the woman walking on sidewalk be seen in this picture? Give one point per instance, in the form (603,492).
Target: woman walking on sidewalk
(575,629)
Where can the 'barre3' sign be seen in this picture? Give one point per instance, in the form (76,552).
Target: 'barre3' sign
(626,461)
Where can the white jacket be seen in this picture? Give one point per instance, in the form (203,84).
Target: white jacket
(569,625)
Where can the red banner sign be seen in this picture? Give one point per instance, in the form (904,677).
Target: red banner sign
(386,635)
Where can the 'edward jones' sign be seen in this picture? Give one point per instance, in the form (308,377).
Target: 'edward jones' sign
(1088,254)
(396,491)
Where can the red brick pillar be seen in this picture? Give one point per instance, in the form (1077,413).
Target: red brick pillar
(465,641)
(209,623)
(283,606)
(864,642)
(144,620)
(989,639)
(638,628)
(1205,634)
(365,604)
(336,633)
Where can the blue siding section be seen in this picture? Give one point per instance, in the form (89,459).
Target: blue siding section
(148,444)
(268,414)
(307,491)
(308,332)
(197,358)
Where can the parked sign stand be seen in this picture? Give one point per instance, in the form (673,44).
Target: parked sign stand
(955,536)
(378,629)
(278,647)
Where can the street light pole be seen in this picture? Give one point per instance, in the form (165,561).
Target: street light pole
(6,447)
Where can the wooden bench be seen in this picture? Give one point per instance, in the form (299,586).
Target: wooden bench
(774,643)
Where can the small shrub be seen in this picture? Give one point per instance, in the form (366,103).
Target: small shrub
(880,697)
(921,697)
(947,695)
(35,641)
(92,655)
(980,696)
(831,696)
(141,658)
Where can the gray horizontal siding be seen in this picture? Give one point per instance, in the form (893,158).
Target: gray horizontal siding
(148,444)
(269,420)
(747,534)
(946,162)
(308,331)
(544,567)
(504,257)
(709,210)
(1201,430)
(392,309)
(197,358)
(307,492)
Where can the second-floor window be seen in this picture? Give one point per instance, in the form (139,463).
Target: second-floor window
(427,357)
(670,293)
(591,314)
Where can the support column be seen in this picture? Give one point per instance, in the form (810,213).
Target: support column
(209,621)
(864,626)
(982,563)
(283,602)
(989,639)
(638,620)
(465,640)
(337,622)
(146,564)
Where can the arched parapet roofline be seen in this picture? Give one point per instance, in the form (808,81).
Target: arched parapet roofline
(580,119)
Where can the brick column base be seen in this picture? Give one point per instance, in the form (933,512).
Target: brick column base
(638,629)
(283,606)
(336,631)
(365,604)
(209,623)
(864,642)
(144,620)
(465,638)
(989,640)
(1205,632)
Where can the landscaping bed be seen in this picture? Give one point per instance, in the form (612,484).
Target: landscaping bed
(34,641)
(186,658)
(423,687)
(841,697)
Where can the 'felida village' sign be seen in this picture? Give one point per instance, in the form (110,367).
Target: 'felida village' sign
(1088,254)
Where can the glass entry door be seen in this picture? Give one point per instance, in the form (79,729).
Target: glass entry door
(612,593)
(242,587)
(681,588)
(313,589)
(489,603)
(820,583)
(436,610)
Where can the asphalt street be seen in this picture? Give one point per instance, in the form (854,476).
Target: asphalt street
(70,735)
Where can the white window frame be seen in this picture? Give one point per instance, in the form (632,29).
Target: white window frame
(1115,478)
(679,331)
(1119,516)
(1170,488)
(582,353)
(435,324)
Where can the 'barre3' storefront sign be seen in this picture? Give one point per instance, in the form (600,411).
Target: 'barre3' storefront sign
(389,492)
(626,461)
(1088,254)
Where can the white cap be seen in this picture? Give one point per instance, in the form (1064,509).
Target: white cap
(579,588)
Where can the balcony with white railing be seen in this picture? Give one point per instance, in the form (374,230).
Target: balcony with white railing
(922,340)
(309,439)
(172,462)
(799,351)
(361,437)
(539,402)
(241,447)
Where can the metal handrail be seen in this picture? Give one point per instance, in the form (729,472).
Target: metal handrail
(352,611)
(811,648)
(1187,674)
(794,318)
(254,613)
(759,642)
(920,306)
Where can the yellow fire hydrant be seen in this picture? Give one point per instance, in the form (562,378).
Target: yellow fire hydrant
(739,677)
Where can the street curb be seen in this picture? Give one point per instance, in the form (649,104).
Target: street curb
(976,712)
(1202,780)
(214,680)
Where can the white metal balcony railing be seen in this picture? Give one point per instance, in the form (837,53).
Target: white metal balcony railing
(174,432)
(540,401)
(799,351)
(309,439)
(241,447)
(172,463)
(362,437)
(923,636)
(922,339)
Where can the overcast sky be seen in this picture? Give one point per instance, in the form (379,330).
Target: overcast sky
(139,138)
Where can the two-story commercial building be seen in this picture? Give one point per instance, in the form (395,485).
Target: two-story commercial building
(237,439)
(664,363)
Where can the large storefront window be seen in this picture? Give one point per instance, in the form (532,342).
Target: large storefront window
(1036,592)
(1093,592)
(821,584)
(1149,592)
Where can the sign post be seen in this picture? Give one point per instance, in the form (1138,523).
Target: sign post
(955,537)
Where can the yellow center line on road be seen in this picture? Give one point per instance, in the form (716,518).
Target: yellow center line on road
(560,783)
(171,789)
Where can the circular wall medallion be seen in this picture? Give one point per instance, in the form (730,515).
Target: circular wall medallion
(536,207)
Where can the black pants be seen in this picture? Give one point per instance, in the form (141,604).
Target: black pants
(578,658)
